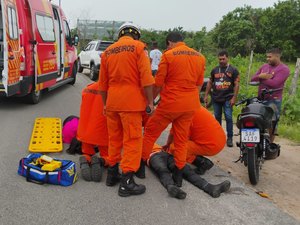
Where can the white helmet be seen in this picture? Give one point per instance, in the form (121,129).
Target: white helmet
(127,28)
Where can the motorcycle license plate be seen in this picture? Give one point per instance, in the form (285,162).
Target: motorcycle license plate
(250,136)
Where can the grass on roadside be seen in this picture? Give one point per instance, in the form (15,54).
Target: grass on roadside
(291,132)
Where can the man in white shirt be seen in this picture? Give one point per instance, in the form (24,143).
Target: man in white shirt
(155,56)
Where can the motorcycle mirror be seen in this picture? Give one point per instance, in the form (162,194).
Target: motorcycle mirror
(254,83)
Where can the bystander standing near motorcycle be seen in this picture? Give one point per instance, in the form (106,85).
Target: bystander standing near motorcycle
(272,75)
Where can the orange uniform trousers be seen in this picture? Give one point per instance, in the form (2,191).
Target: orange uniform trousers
(125,131)
(206,138)
(194,149)
(158,123)
(89,149)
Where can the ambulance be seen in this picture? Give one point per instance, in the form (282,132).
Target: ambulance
(37,51)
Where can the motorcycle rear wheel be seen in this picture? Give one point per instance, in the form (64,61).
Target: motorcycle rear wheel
(253,165)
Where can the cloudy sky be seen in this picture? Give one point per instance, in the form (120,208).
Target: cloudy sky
(157,14)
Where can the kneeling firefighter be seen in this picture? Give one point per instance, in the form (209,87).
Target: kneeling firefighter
(92,133)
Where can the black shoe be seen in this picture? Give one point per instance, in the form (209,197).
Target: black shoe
(96,169)
(141,171)
(203,164)
(129,187)
(216,190)
(113,175)
(85,169)
(229,142)
(177,176)
(176,192)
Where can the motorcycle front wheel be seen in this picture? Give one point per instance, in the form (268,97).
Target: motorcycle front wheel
(253,165)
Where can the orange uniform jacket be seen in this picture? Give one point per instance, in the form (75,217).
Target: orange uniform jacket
(123,73)
(179,75)
(92,128)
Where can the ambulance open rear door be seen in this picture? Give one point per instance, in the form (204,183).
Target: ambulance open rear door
(45,53)
(9,48)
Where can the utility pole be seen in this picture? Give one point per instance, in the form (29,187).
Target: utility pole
(249,69)
(293,87)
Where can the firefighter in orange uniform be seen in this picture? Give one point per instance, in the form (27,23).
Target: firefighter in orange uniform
(206,138)
(92,133)
(179,76)
(126,86)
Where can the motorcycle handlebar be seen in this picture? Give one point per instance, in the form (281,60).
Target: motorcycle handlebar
(241,102)
(267,91)
(264,92)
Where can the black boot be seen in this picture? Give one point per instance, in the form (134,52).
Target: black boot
(176,192)
(113,175)
(177,176)
(203,164)
(215,190)
(141,171)
(129,187)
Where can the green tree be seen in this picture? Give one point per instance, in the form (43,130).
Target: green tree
(281,28)
(237,31)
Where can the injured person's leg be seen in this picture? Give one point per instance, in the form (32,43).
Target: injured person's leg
(190,175)
(158,163)
(213,190)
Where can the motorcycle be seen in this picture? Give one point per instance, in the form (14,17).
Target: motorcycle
(255,122)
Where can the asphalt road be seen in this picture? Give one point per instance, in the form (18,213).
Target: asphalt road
(94,203)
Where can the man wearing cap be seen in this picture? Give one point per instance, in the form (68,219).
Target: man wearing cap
(126,87)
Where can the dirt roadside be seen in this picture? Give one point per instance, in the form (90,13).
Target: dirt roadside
(279,178)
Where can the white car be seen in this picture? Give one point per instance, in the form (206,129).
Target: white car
(89,57)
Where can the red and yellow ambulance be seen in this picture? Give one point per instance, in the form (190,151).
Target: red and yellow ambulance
(36,48)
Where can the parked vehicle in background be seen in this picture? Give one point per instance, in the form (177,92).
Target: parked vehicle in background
(90,57)
(36,48)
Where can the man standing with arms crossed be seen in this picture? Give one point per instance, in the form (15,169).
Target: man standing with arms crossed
(125,72)
(180,73)
(272,76)
(224,81)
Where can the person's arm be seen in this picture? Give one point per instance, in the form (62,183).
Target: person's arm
(169,142)
(256,77)
(146,78)
(151,57)
(278,81)
(103,81)
(104,98)
(235,87)
(149,97)
(235,92)
(161,72)
(156,91)
(207,90)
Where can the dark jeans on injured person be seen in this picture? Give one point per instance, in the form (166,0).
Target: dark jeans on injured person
(163,164)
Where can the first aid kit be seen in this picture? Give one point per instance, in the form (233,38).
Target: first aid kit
(41,169)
